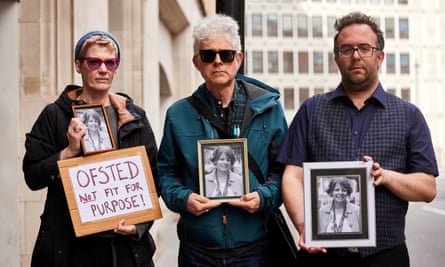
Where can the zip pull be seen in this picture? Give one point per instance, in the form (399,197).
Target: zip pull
(224,219)
(236,131)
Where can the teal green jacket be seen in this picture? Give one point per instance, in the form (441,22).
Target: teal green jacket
(264,127)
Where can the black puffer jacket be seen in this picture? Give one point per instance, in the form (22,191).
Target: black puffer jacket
(43,145)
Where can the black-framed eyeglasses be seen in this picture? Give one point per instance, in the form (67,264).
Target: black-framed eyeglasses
(94,63)
(208,56)
(363,51)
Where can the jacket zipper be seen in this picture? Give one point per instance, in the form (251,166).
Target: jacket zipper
(224,221)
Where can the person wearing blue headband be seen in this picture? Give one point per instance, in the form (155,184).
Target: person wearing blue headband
(57,134)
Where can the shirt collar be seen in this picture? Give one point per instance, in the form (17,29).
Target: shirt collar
(214,101)
(379,95)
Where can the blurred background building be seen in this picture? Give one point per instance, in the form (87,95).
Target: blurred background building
(288,44)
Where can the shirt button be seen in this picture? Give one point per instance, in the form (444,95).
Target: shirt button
(355,133)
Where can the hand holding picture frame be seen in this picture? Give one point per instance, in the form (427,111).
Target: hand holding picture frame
(339,204)
(223,169)
(98,137)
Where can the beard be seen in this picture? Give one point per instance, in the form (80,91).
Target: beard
(359,81)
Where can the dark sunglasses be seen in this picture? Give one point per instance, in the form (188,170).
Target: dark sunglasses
(94,63)
(208,56)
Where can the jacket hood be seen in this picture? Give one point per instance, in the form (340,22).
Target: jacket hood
(67,98)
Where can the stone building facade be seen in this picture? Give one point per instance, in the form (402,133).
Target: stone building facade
(37,43)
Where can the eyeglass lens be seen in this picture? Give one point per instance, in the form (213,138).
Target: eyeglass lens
(94,63)
(208,56)
(363,51)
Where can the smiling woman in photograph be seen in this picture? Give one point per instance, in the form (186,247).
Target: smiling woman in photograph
(340,215)
(96,133)
(223,181)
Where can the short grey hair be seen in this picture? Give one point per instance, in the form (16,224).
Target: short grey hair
(214,25)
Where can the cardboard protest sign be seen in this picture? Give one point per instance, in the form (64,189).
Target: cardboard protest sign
(105,188)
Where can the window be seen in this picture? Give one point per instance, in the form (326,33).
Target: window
(389,2)
(288,62)
(330,26)
(272,62)
(289,102)
(318,62)
(332,64)
(318,91)
(272,26)
(404,63)
(257,27)
(403,28)
(317,27)
(403,2)
(303,94)
(390,63)
(287,26)
(391,91)
(389,27)
(406,94)
(303,62)
(302,25)
(257,62)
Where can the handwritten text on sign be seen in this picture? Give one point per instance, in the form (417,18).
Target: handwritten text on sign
(110,188)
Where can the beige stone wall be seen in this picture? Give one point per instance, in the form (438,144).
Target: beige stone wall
(155,71)
(9,108)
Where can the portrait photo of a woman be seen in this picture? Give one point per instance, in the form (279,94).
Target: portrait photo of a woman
(223,177)
(340,212)
(96,137)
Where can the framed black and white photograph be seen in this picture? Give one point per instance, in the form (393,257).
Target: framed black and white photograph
(339,204)
(98,136)
(223,169)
